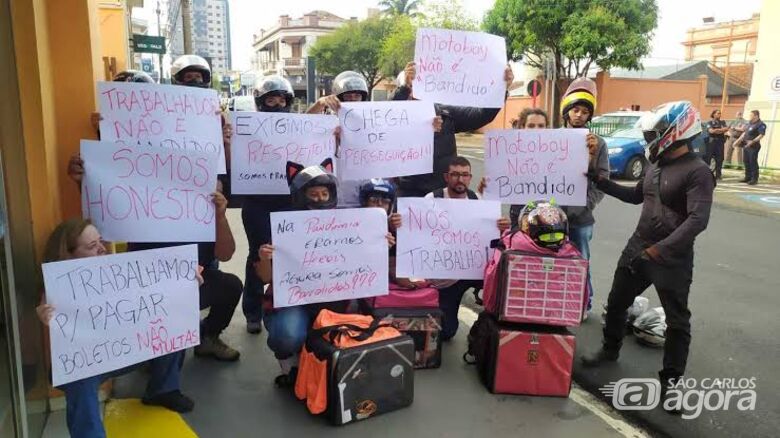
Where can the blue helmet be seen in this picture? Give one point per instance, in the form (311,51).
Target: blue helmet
(377,187)
(669,125)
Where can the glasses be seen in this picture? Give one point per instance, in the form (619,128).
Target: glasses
(457,175)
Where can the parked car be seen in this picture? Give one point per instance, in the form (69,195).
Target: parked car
(627,153)
(242,103)
(606,124)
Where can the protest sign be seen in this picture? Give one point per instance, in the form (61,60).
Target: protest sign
(171,116)
(524,165)
(114,311)
(329,255)
(385,139)
(263,143)
(148,194)
(460,68)
(445,238)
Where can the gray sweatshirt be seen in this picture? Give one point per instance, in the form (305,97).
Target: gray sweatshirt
(582,216)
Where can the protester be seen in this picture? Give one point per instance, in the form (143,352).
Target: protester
(273,94)
(751,139)
(529,118)
(676,197)
(716,142)
(457,178)
(577,107)
(454,119)
(311,188)
(75,239)
(736,128)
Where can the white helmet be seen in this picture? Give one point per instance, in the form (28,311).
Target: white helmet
(650,327)
(269,86)
(668,125)
(187,63)
(350,82)
(640,306)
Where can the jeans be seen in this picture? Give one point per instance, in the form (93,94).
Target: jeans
(732,150)
(581,237)
(81,396)
(673,285)
(287,329)
(751,163)
(449,303)
(256,216)
(220,292)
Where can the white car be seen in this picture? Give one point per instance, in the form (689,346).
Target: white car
(242,103)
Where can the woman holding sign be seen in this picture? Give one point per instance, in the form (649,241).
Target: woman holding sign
(78,238)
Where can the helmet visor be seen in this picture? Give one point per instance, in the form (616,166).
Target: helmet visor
(555,237)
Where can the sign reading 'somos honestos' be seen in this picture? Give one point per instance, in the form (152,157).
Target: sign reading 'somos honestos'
(114,311)
(171,116)
(329,255)
(264,142)
(523,165)
(460,68)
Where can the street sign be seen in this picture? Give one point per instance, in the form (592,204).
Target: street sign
(534,88)
(774,89)
(146,65)
(148,44)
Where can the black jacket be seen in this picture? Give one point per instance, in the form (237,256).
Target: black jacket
(455,119)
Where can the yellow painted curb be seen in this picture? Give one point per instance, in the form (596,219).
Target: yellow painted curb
(129,418)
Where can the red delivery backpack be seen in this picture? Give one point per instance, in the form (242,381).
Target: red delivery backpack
(525,283)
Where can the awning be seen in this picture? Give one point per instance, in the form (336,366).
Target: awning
(293,39)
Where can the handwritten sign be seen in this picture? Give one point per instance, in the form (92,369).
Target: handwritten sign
(460,68)
(264,142)
(329,255)
(114,311)
(171,116)
(148,194)
(445,238)
(385,139)
(530,164)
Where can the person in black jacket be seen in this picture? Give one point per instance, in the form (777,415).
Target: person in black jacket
(676,197)
(455,119)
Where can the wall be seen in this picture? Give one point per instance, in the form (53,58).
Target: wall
(710,43)
(511,110)
(112,23)
(616,93)
(767,67)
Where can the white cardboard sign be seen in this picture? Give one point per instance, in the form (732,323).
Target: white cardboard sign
(385,139)
(523,165)
(329,255)
(171,116)
(148,194)
(460,68)
(445,238)
(114,311)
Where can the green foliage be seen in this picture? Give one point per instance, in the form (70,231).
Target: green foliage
(401,7)
(575,34)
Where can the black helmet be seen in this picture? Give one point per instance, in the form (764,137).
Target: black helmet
(273,85)
(187,63)
(300,179)
(582,91)
(133,76)
(377,187)
(350,82)
(545,223)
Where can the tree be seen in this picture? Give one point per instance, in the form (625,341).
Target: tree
(356,46)
(576,35)
(401,7)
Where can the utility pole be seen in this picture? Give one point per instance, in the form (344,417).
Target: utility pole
(186,25)
(724,97)
(159,33)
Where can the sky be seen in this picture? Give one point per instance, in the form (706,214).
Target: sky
(675,17)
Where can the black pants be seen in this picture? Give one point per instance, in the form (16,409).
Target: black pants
(715,152)
(750,157)
(673,285)
(220,291)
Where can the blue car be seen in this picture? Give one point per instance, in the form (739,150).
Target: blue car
(627,153)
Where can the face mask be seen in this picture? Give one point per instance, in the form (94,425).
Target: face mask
(260,103)
(195,83)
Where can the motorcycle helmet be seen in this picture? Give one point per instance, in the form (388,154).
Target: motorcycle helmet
(350,82)
(668,126)
(582,91)
(650,327)
(545,223)
(186,63)
(301,178)
(377,187)
(640,306)
(133,76)
(273,85)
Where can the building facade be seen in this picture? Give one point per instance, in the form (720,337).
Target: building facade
(210,32)
(711,42)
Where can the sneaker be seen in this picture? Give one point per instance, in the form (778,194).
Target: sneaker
(666,386)
(214,347)
(174,400)
(287,380)
(752,183)
(254,327)
(599,357)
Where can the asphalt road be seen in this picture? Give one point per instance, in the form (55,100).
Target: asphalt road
(734,301)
